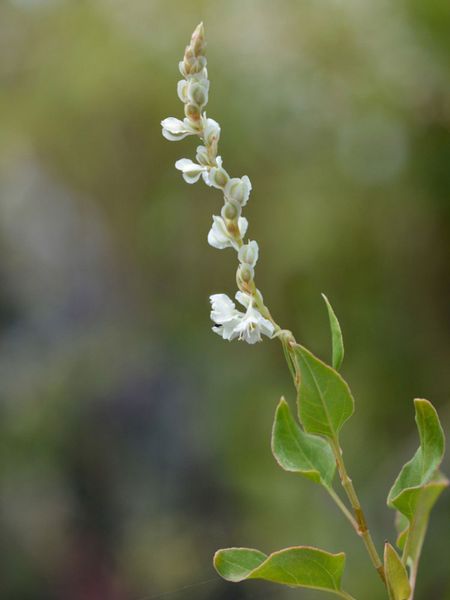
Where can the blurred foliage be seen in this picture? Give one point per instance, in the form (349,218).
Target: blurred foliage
(126,456)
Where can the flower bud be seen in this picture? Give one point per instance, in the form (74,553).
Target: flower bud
(218,177)
(211,132)
(246,273)
(198,43)
(198,93)
(194,65)
(248,253)
(192,112)
(238,189)
(230,211)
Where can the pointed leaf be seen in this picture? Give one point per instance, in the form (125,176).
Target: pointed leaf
(300,566)
(419,484)
(337,342)
(301,452)
(411,540)
(324,398)
(236,564)
(422,467)
(396,574)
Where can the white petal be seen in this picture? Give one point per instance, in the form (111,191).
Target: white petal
(218,236)
(174,129)
(243,299)
(192,177)
(227,331)
(238,189)
(191,170)
(248,253)
(266,326)
(173,125)
(247,182)
(243,226)
(172,137)
(182,90)
(223,308)
(183,163)
(202,155)
(211,130)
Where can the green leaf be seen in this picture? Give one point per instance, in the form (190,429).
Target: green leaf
(324,399)
(337,343)
(300,566)
(412,538)
(236,564)
(396,575)
(421,468)
(301,452)
(419,484)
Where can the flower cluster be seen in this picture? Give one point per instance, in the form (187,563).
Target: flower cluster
(229,228)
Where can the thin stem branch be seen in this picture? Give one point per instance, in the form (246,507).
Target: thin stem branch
(348,515)
(362,529)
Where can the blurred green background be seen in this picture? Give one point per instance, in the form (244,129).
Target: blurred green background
(133,441)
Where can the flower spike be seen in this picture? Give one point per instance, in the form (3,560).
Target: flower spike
(228,230)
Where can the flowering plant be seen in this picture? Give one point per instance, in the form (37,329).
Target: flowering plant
(308,445)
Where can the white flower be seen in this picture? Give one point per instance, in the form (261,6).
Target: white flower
(248,253)
(231,323)
(174,129)
(219,236)
(252,324)
(191,170)
(211,131)
(218,177)
(224,315)
(238,189)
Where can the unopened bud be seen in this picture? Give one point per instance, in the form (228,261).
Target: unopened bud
(192,112)
(182,68)
(230,211)
(238,189)
(248,253)
(211,132)
(198,40)
(246,273)
(218,177)
(198,93)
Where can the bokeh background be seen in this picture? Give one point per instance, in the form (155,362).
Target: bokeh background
(134,442)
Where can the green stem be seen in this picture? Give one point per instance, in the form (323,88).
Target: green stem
(358,522)
(346,595)
(362,529)
(343,508)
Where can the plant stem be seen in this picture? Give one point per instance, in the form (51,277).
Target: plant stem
(361,523)
(358,522)
(346,595)
(343,508)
